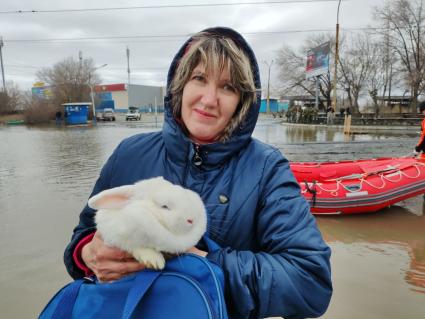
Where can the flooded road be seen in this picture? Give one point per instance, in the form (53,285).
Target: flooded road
(46,175)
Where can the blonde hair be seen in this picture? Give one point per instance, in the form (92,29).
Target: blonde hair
(216,53)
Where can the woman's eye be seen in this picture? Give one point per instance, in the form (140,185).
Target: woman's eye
(165,207)
(198,77)
(229,87)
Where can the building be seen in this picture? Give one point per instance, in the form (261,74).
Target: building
(275,105)
(395,104)
(305,101)
(118,97)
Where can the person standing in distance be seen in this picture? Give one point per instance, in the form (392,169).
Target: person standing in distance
(420,147)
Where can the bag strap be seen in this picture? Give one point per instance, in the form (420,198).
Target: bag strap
(66,304)
(141,285)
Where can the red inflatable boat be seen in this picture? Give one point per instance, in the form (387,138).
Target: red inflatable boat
(361,186)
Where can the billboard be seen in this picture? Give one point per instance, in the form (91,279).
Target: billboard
(318,60)
(40,90)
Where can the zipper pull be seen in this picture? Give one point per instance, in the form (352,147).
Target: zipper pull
(197,159)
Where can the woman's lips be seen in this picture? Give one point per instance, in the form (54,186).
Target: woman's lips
(203,113)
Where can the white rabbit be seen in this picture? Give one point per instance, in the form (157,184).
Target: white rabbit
(150,217)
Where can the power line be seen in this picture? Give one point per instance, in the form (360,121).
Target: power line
(172,37)
(27,66)
(165,6)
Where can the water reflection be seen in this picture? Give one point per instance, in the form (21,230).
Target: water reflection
(320,143)
(73,157)
(397,227)
(46,175)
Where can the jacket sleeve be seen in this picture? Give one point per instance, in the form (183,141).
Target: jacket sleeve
(290,275)
(421,144)
(86,223)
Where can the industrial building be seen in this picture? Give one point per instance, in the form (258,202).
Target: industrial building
(120,96)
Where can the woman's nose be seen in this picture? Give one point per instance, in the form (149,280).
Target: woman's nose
(209,95)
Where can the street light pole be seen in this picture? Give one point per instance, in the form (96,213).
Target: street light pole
(128,73)
(336,57)
(92,91)
(268,87)
(1,62)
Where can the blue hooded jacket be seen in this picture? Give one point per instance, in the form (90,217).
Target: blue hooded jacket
(274,259)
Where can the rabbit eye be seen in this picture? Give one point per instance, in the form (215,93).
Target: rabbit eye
(165,207)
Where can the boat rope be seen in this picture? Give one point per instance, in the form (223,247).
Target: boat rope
(382,181)
(316,188)
(312,190)
(361,175)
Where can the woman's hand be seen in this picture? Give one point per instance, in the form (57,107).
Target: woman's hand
(108,263)
(197,251)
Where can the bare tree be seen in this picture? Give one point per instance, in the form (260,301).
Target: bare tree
(292,66)
(404,23)
(383,75)
(359,62)
(4,103)
(69,80)
(11,101)
(389,62)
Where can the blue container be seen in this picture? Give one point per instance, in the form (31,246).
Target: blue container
(76,113)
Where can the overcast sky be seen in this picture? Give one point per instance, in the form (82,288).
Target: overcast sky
(60,29)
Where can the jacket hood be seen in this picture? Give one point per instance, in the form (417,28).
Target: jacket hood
(218,151)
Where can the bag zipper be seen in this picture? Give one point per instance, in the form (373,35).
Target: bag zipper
(204,295)
(222,305)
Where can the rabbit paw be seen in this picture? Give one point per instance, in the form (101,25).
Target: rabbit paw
(150,258)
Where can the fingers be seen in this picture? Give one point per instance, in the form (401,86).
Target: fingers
(197,251)
(108,263)
(111,271)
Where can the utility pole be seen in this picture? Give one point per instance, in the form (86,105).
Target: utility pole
(92,91)
(1,63)
(128,72)
(336,57)
(80,71)
(268,87)
(80,59)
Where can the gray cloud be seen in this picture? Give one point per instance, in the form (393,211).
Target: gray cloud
(150,57)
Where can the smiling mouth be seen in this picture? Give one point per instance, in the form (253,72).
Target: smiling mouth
(203,113)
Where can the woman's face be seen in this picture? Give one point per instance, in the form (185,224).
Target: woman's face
(208,103)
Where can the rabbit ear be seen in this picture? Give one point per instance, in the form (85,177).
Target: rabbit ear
(112,198)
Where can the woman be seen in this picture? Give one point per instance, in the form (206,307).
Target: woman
(273,257)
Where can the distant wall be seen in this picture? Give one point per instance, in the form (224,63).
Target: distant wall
(143,97)
(275,106)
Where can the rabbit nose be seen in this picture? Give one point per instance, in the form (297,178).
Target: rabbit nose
(190,221)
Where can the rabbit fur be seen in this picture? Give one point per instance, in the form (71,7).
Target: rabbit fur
(150,217)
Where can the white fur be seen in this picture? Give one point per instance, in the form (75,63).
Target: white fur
(135,219)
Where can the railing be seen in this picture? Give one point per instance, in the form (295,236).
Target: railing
(370,119)
(386,120)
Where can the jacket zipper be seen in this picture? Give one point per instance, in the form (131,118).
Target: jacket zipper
(196,160)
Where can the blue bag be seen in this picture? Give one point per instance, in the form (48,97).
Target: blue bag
(188,287)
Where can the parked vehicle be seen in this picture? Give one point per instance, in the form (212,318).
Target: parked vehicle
(107,114)
(133,114)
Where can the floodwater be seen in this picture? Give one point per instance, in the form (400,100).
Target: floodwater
(46,174)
